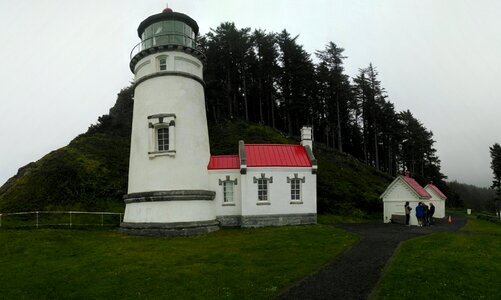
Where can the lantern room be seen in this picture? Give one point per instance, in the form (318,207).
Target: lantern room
(167,30)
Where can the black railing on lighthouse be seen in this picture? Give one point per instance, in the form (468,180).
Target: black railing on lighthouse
(165,40)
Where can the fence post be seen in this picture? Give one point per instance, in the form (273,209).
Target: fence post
(119,218)
(102,219)
(37,219)
(70,219)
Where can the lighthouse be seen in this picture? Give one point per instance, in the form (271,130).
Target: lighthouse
(168,188)
(175,186)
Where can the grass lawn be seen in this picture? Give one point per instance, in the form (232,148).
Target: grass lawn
(229,264)
(350,217)
(462,265)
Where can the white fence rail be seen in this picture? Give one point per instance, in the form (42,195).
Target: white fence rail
(59,218)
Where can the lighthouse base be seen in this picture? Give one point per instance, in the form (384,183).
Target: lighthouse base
(170,213)
(170,229)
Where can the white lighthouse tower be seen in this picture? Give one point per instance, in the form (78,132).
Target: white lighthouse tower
(168,190)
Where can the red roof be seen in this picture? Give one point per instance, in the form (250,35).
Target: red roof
(218,162)
(270,155)
(437,190)
(416,187)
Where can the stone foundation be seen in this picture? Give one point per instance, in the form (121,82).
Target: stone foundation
(204,227)
(278,220)
(229,221)
(170,229)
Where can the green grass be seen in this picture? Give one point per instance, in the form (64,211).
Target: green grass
(229,264)
(462,265)
(482,226)
(354,216)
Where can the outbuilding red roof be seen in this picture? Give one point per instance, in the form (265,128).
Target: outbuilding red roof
(437,190)
(263,155)
(273,155)
(416,187)
(218,162)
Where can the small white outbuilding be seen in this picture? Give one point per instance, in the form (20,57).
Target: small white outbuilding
(437,198)
(402,189)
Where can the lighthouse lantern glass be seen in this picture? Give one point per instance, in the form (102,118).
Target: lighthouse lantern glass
(168,33)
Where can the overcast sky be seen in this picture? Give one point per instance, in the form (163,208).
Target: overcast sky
(64,61)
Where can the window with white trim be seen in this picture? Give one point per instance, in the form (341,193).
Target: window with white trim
(162,63)
(296,187)
(163,139)
(228,190)
(262,188)
(162,135)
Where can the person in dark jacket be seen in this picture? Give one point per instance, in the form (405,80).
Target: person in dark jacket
(407,213)
(420,213)
(431,213)
(426,215)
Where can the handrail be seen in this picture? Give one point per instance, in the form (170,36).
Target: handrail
(71,222)
(152,42)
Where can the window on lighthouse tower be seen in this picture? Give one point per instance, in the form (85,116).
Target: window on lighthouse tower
(162,135)
(163,138)
(162,63)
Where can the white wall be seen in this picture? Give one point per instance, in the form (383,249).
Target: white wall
(279,192)
(183,97)
(176,61)
(169,211)
(394,201)
(221,208)
(397,208)
(437,201)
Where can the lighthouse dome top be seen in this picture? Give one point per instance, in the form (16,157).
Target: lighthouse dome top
(167,15)
(166,31)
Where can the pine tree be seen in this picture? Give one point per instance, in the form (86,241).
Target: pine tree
(336,90)
(496,169)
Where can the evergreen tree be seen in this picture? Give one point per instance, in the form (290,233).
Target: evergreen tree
(336,91)
(295,82)
(496,169)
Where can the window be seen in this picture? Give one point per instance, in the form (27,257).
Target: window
(163,139)
(296,189)
(262,189)
(228,191)
(295,182)
(162,63)
(162,135)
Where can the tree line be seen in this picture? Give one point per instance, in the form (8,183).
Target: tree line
(268,78)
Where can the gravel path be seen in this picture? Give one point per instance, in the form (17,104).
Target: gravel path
(355,273)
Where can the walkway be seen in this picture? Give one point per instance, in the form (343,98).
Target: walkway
(355,273)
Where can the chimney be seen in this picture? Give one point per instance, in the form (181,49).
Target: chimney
(306,137)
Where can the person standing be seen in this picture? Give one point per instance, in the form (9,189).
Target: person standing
(407,213)
(420,214)
(431,213)
(426,218)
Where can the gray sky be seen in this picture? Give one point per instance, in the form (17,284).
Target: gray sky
(64,61)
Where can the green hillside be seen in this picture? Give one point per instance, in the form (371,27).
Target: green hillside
(90,173)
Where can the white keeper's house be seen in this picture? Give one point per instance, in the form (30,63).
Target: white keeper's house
(175,186)
(406,189)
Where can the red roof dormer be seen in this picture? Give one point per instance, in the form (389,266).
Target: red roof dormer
(416,187)
(437,191)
